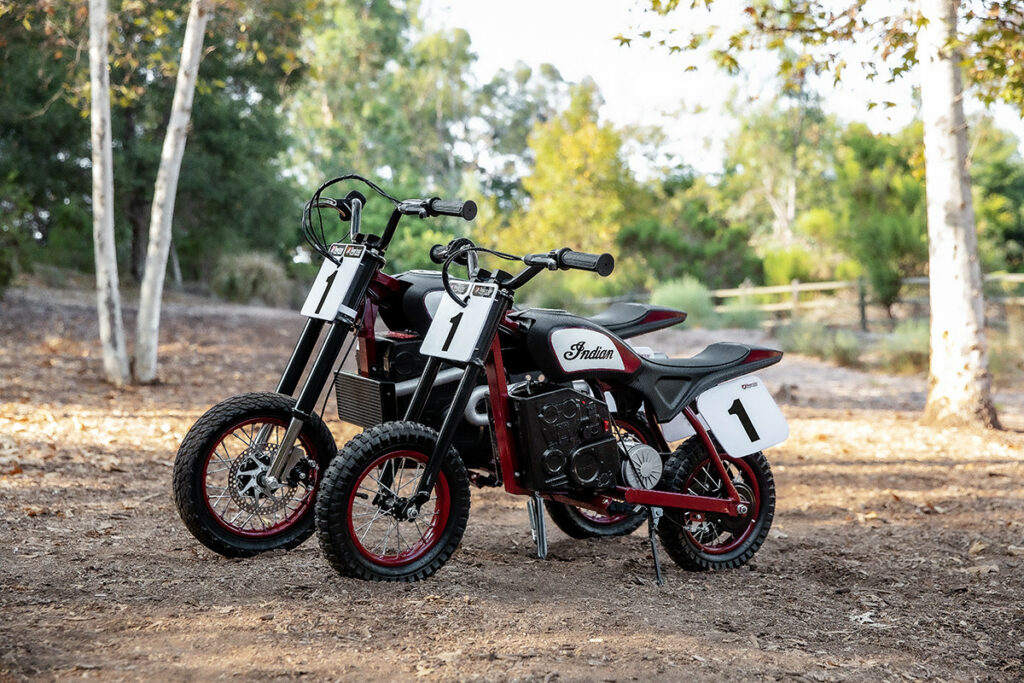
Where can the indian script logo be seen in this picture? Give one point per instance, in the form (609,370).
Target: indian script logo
(580,351)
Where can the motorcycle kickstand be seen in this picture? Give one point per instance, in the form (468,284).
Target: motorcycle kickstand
(537,526)
(653,517)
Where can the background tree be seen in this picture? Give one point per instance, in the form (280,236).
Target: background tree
(165,190)
(115,355)
(960,383)
(880,195)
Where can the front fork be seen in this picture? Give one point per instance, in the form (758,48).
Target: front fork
(287,456)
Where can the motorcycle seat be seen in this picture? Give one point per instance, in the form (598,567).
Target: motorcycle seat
(633,319)
(669,384)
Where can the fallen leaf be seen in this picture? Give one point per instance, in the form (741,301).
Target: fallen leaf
(977,547)
(1015,550)
(982,569)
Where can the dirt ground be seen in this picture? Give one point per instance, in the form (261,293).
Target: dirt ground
(897,550)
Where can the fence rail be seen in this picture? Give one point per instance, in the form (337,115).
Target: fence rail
(793,303)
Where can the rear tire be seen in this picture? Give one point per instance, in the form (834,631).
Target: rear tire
(360,529)
(702,541)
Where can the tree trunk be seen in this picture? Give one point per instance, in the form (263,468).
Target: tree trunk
(960,386)
(164,190)
(108,297)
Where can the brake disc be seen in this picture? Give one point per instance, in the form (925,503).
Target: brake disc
(245,482)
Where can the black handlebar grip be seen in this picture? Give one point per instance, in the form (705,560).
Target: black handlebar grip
(438,253)
(602,264)
(441,207)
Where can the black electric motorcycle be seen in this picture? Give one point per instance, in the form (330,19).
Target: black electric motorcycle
(246,474)
(395,503)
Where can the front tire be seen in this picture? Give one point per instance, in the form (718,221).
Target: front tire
(360,523)
(699,541)
(218,470)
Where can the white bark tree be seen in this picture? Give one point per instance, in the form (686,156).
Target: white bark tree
(108,297)
(928,35)
(960,385)
(164,192)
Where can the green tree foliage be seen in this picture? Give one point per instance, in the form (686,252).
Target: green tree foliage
(684,234)
(880,182)
(232,190)
(997,174)
(581,191)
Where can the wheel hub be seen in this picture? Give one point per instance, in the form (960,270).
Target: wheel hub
(247,482)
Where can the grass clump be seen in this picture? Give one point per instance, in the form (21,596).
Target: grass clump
(252,277)
(906,348)
(740,312)
(808,338)
(690,295)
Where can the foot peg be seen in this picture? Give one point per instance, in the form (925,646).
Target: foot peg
(653,517)
(540,535)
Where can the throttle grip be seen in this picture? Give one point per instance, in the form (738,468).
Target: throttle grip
(438,253)
(442,207)
(602,264)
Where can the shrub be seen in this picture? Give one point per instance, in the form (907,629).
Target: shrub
(906,348)
(252,276)
(687,294)
(740,312)
(782,266)
(815,339)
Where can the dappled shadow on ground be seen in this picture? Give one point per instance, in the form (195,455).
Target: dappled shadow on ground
(897,550)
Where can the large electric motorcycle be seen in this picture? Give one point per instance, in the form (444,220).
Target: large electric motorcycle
(395,503)
(247,472)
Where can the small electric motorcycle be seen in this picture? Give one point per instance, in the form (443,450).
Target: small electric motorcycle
(247,472)
(395,504)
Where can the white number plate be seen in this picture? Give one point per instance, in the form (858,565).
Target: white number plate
(455,331)
(743,416)
(332,284)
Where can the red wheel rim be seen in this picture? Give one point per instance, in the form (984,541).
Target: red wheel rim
(223,499)
(597,518)
(705,480)
(381,537)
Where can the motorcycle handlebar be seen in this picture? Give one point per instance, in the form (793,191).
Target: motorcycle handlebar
(441,207)
(427,208)
(565,259)
(439,252)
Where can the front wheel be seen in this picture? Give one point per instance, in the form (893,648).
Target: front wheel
(702,540)
(366,525)
(219,476)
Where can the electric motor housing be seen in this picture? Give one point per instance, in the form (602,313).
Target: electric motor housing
(565,439)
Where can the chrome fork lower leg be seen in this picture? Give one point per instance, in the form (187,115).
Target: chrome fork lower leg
(287,456)
(536,509)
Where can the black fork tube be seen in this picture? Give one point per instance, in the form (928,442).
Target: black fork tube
(451,422)
(423,387)
(300,356)
(321,371)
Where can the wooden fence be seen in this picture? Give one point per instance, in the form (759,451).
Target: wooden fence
(790,300)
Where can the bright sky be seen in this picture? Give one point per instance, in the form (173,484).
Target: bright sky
(643,84)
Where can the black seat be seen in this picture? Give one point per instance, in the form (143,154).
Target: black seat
(669,384)
(632,319)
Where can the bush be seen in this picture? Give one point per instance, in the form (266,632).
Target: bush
(906,348)
(842,347)
(252,277)
(687,294)
(740,312)
(782,266)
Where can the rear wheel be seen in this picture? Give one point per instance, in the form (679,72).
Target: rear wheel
(702,540)
(580,522)
(366,526)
